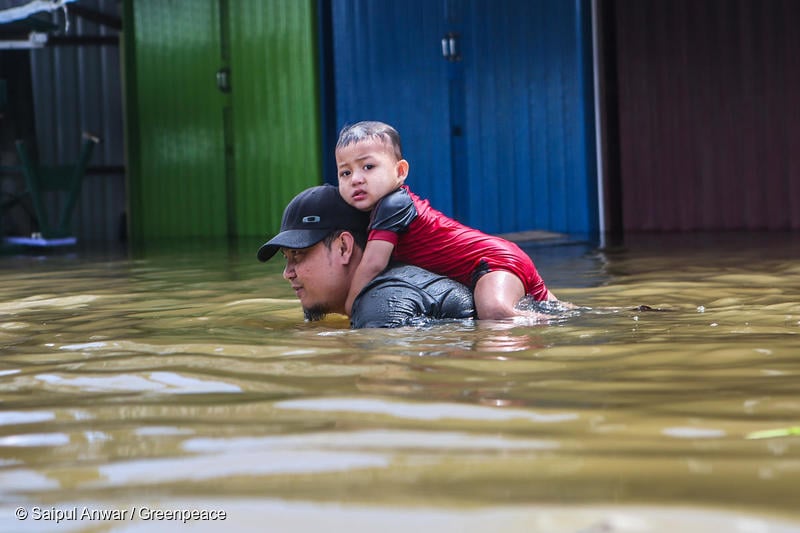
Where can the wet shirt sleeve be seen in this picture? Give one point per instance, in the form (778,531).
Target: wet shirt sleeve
(392,216)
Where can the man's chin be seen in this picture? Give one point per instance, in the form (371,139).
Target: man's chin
(314,313)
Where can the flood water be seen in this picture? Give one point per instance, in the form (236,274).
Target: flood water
(177,388)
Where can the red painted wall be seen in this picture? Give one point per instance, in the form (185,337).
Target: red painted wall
(708,114)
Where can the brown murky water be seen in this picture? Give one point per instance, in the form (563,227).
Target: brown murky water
(161,390)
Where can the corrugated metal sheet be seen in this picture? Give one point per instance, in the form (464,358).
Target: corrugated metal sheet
(394,72)
(215,163)
(76,89)
(179,186)
(275,111)
(502,138)
(708,114)
(530,117)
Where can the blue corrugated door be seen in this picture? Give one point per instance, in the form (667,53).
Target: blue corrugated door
(493,100)
(389,67)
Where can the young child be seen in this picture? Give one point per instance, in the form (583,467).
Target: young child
(371,173)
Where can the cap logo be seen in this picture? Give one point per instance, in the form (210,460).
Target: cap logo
(310,219)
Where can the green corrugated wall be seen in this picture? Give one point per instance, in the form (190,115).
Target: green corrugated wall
(275,107)
(181,182)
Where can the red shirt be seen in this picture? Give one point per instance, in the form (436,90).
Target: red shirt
(425,237)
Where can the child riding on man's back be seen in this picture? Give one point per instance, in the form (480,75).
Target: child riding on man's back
(372,172)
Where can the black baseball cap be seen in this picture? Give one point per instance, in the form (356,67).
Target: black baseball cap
(311,216)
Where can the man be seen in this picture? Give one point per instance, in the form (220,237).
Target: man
(322,239)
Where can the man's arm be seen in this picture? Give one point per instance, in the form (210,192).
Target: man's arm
(373,262)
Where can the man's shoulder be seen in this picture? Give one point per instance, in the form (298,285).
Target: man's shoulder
(409,274)
(403,293)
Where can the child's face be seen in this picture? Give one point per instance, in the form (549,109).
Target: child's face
(368,171)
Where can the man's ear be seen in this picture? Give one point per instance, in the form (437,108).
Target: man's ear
(344,246)
(402,170)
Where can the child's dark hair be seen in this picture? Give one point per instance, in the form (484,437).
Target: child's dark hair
(370,129)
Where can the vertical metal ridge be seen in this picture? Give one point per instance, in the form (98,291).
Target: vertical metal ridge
(707,91)
(276,118)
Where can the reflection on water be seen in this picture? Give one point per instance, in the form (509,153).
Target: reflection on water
(184,378)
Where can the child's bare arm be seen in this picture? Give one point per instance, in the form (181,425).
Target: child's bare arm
(376,257)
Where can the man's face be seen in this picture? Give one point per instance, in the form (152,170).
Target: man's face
(317,279)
